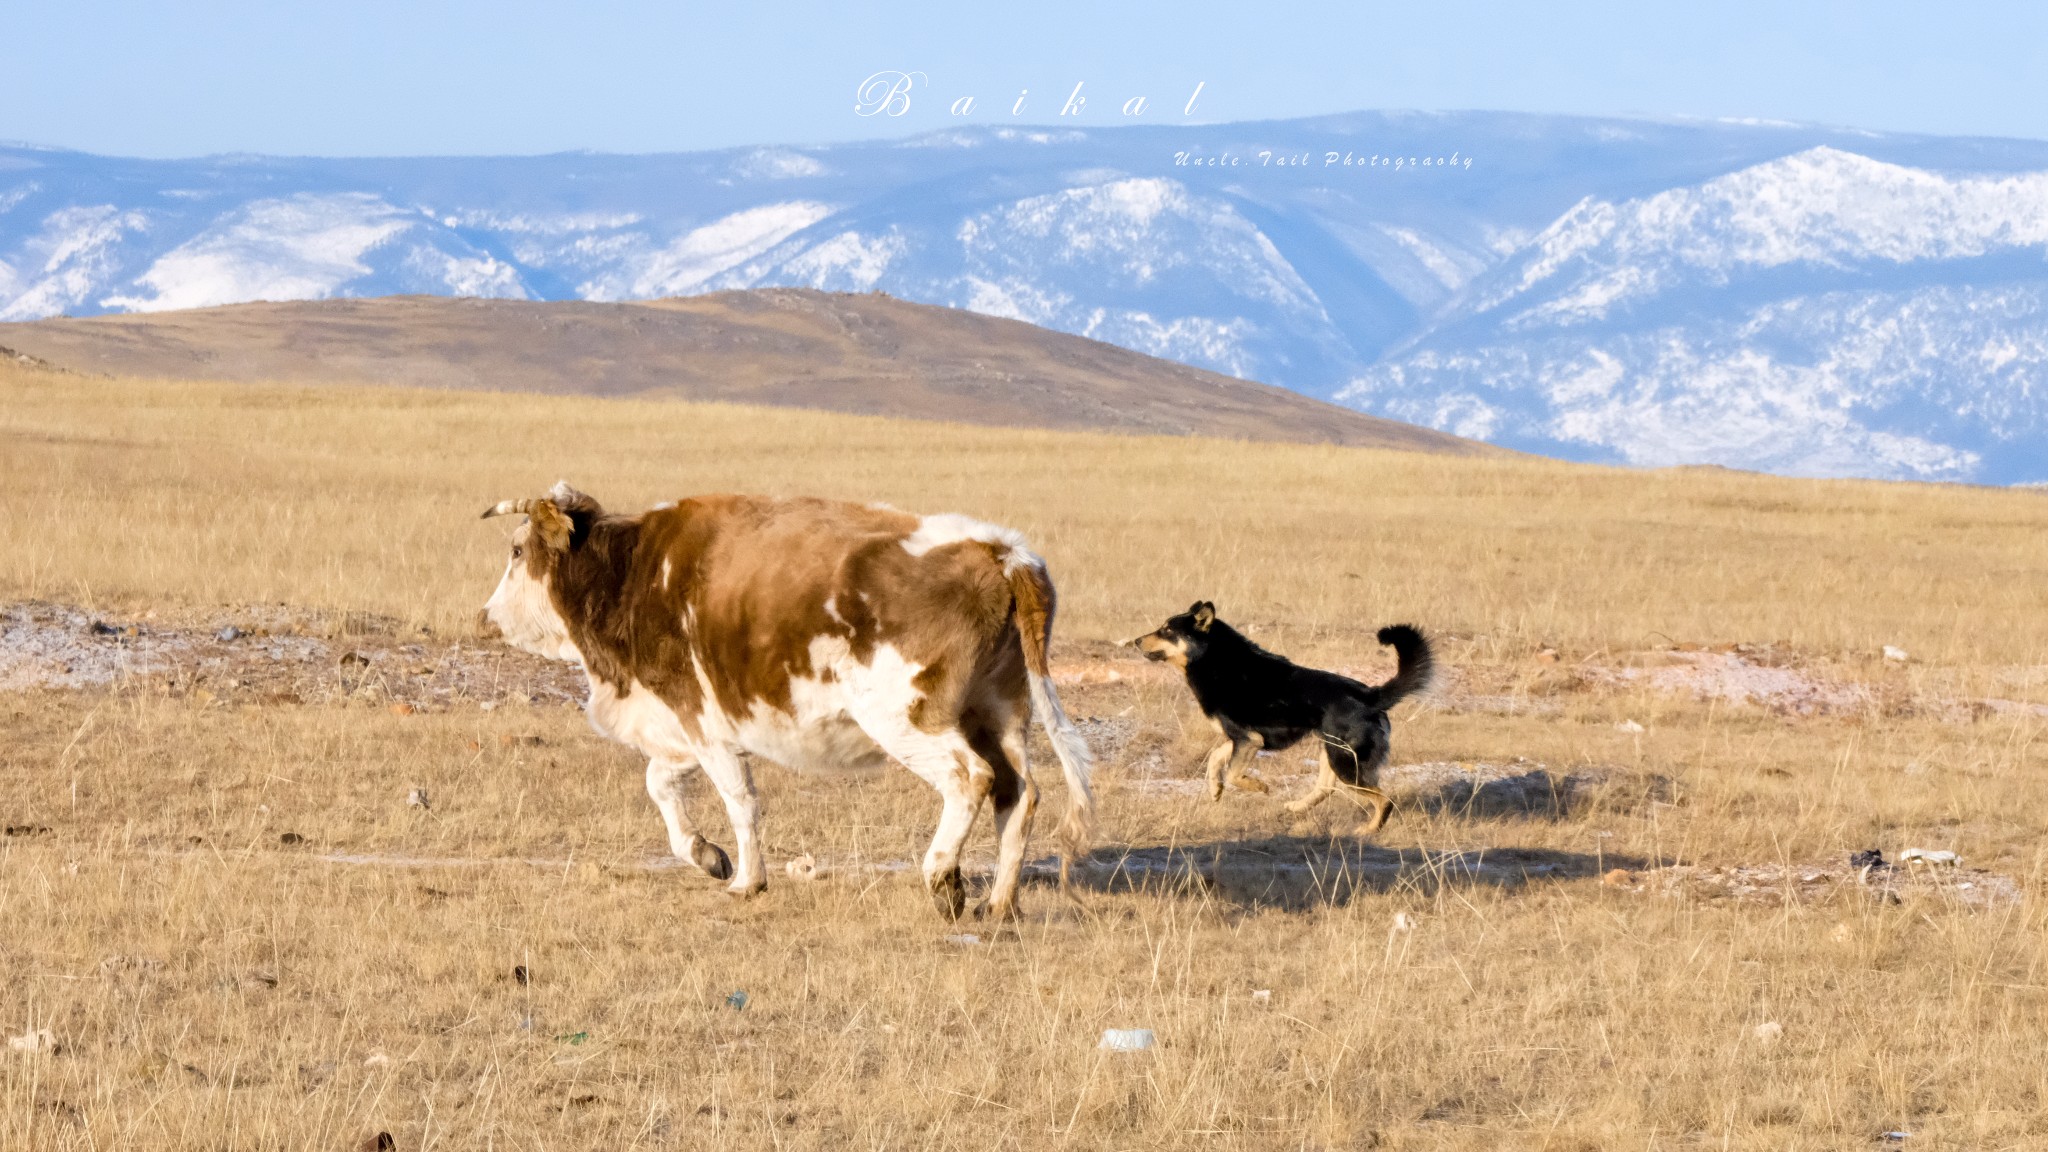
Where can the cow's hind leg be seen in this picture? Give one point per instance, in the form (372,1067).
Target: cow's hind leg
(1015,798)
(665,787)
(948,763)
(735,786)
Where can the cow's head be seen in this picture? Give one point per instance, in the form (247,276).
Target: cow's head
(523,608)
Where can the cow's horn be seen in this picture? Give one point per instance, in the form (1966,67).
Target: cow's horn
(508,508)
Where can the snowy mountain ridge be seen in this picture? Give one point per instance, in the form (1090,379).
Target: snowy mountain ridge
(1798,299)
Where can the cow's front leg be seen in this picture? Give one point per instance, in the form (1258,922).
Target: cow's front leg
(735,786)
(665,787)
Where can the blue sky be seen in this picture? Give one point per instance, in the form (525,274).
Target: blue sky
(462,77)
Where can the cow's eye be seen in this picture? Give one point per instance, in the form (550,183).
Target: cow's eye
(517,551)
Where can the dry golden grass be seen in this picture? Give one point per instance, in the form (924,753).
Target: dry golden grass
(213,987)
(122,491)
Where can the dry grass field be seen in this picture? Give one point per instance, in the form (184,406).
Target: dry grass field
(1613,912)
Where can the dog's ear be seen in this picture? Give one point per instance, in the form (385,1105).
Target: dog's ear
(1204,614)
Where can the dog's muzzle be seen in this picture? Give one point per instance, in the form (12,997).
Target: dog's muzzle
(1156,650)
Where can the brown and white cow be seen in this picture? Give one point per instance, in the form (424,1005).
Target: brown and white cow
(814,633)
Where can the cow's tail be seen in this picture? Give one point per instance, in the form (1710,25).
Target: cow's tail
(1032,590)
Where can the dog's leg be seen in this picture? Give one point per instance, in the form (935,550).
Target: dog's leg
(1382,807)
(1241,758)
(1326,783)
(1220,758)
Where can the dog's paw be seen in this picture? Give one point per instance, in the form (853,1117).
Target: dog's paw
(1251,784)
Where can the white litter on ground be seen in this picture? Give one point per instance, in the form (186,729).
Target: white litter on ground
(34,1042)
(1126,1039)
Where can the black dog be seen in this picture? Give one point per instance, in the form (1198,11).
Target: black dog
(1258,700)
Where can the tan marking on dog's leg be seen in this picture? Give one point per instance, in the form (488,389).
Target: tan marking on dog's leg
(665,787)
(1326,783)
(735,786)
(1241,759)
(1227,760)
(1382,807)
(1218,761)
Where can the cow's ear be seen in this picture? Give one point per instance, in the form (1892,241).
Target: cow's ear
(1204,614)
(552,528)
(582,511)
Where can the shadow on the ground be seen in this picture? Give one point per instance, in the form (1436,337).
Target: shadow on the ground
(1296,872)
(1537,794)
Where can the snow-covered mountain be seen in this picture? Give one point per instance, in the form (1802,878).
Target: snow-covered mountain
(1798,299)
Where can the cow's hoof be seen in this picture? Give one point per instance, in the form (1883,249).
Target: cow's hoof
(949,895)
(746,891)
(712,859)
(995,913)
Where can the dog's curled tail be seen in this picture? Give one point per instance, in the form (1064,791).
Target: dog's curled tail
(1418,664)
(1032,590)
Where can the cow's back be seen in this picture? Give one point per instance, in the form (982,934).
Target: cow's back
(755,583)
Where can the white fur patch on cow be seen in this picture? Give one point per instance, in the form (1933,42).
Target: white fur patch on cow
(668,569)
(953,528)
(824,729)
(885,686)
(818,733)
(639,719)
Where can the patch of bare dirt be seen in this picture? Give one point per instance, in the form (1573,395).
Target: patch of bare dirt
(1517,788)
(1806,884)
(267,655)
(1737,677)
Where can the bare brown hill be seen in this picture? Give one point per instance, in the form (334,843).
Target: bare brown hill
(868,354)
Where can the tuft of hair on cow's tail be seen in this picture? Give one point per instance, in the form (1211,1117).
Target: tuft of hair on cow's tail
(1032,590)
